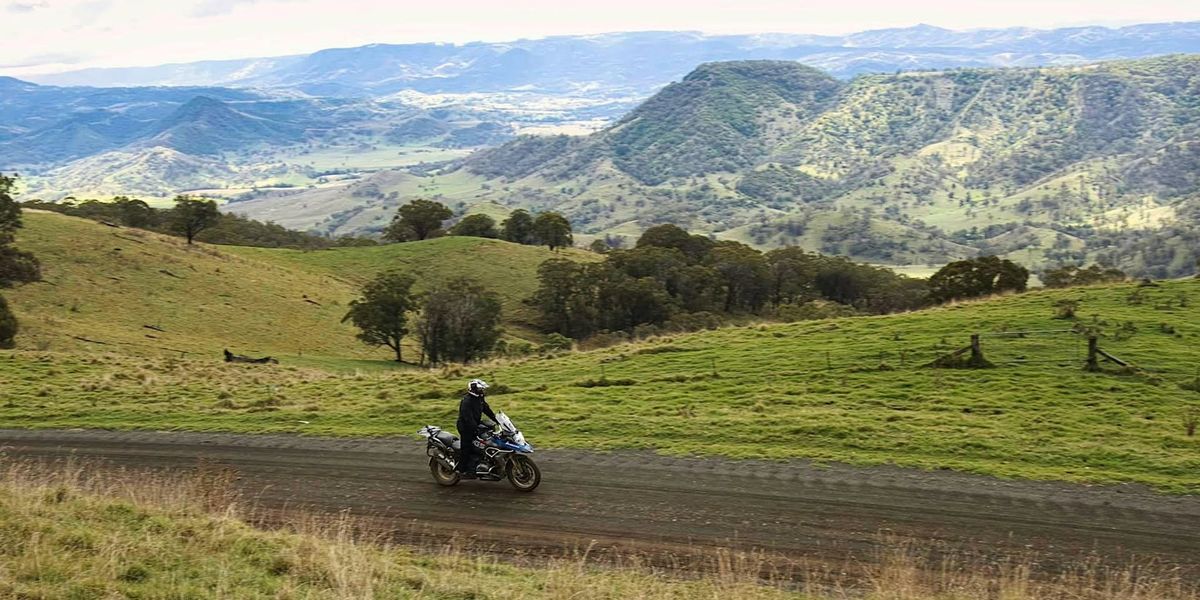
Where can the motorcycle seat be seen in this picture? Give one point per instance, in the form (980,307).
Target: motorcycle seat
(449,439)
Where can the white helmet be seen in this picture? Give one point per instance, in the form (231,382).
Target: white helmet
(477,386)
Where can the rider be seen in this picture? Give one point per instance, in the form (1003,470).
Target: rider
(470,420)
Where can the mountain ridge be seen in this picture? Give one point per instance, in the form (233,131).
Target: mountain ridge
(889,168)
(556,63)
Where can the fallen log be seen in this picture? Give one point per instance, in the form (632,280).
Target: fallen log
(231,357)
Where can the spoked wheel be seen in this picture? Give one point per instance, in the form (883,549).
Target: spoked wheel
(523,473)
(442,474)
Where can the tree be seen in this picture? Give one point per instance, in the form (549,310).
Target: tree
(192,215)
(518,228)
(664,236)
(417,220)
(744,273)
(459,322)
(8,325)
(1069,276)
(793,275)
(694,247)
(10,210)
(977,277)
(599,246)
(622,302)
(552,230)
(476,226)
(16,267)
(134,212)
(382,313)
(563,298)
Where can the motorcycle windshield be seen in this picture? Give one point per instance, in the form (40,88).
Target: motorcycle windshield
(506,423)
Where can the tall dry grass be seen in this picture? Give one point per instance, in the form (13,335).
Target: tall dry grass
(70,529)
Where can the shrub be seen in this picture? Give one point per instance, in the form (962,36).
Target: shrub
(8,325)
(556,342)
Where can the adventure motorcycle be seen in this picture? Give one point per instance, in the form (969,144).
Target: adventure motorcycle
(504,453)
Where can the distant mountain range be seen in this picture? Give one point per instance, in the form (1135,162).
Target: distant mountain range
(1044,164)
(641,62)
(1057,163)
(162,140)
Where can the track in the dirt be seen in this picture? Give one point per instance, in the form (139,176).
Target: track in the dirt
(653,505)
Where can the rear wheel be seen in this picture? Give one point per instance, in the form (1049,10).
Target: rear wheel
(442,474)
(523,473)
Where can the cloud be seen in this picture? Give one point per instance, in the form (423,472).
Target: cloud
(24,7)
(88,13)
(37,60)
(213,8)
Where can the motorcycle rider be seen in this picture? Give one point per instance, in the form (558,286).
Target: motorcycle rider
(470,420)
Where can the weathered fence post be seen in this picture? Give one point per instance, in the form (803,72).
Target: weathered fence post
(1093,356)
(976,350)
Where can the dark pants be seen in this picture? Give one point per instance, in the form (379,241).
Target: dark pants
(468,455)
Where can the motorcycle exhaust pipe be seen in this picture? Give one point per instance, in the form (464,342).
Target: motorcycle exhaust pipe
(445,463)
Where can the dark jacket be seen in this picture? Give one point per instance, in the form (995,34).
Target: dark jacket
(471,411)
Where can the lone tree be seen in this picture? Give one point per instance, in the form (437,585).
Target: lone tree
(977,277)
(8,325)
(16,267)
(481,226)
(552,230)
(10,211)
(459,322)
(417,220)
(518,228)
(192,215)
(381,314)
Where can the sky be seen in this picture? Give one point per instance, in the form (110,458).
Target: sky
(46,36)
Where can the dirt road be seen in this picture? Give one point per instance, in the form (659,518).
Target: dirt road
(674,509)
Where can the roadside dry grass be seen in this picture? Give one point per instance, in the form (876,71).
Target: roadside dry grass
(67,531)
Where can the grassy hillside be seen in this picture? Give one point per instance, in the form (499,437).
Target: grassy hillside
(508,269)
(108,284)
(104,286)
(850,389)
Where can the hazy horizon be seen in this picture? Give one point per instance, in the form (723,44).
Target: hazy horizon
(51,36)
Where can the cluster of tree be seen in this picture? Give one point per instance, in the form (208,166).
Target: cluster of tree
(424,219)
(454,321)
(976,277)
(1073,276)
(16,266)
(547,229)
(672,278)
(196,219)
(783,187)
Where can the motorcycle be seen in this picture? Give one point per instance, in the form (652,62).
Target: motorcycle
(504,453)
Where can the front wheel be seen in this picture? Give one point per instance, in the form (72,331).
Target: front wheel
(442,474)
(523,473)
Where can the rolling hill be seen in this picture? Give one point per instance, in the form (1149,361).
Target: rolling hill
(850,389)
(139,293)
(898,169)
